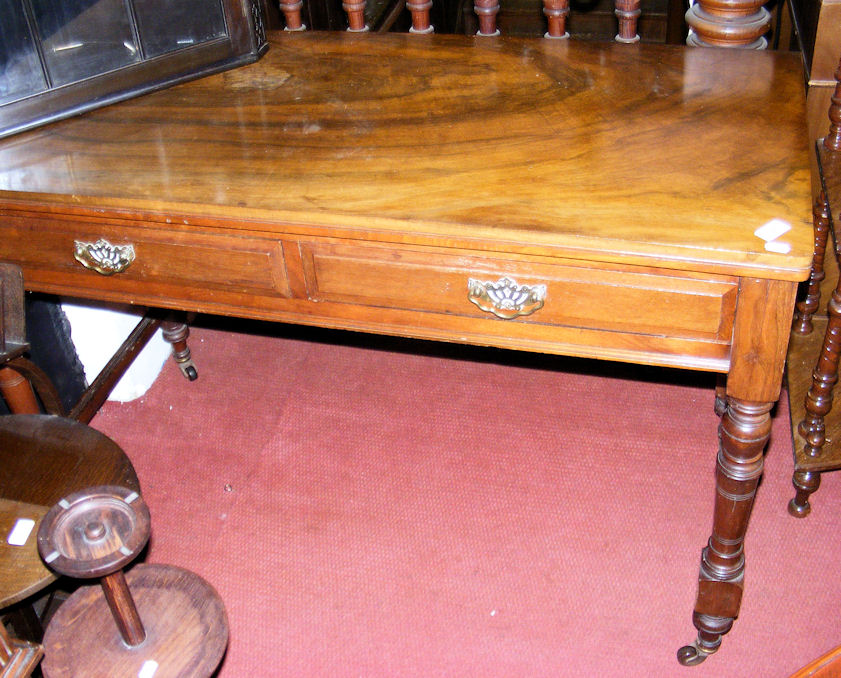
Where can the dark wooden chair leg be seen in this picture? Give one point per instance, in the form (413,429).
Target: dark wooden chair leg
(819,397)
(817,404)
(805,483)
(176,333)
(805,308)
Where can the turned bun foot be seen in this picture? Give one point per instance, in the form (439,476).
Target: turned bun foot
(156,621)
(805,483)
(799,510)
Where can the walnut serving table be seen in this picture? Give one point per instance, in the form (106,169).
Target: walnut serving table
(594,200)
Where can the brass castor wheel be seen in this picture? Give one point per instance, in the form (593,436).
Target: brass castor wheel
(692,655)
(156,621)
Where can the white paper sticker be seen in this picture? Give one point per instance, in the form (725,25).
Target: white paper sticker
(21,531)
(779,246)
(772,230)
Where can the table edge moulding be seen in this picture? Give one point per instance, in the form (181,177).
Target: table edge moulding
(596,200)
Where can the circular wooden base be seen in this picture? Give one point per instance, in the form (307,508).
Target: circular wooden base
(184,618)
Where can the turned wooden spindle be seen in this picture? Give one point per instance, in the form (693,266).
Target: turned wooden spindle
(17,392)
(486,11)
(628,13)
(355,16)
(806,307)
(556,13)
(818,401)
(728,23)
(420,16)
(292,15)
(95,533)
(832,141)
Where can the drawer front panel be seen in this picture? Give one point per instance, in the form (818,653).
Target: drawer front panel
(167,264)
(631,300)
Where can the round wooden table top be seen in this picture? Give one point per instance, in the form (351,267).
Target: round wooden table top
(44,458)
(184,621)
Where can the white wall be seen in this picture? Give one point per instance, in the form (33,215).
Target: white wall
(98,332)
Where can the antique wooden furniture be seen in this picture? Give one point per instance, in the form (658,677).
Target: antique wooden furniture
(18,658)
(659,20)
(18,375)
(826,666)
(42,459)
(595,200)
(59,57)
(813,357)
(817,32)
(27,389)
(157,620)
(737,23)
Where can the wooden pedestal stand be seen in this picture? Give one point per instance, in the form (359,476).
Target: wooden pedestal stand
(184,628)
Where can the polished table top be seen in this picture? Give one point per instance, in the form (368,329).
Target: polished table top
(43,459)
(400,183)
(618,153)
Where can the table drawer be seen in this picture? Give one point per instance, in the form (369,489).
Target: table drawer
(589,295)
(170,267)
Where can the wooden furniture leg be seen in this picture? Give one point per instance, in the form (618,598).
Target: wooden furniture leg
(743,433)
(96,394)
(753,386)
(818,404)
(17,392)
(806,307)
(811,456)
(176,333)
(18,659)
(40,383)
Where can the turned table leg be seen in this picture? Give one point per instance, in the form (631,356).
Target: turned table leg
(176,333)
(760,339)
(743,433)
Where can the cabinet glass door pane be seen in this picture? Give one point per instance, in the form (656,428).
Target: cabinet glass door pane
(82,38)
(168,25)
(20,67)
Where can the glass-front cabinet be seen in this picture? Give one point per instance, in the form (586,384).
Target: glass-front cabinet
(61,57)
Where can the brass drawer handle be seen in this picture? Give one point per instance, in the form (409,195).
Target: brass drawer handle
(103,257)
(505,298)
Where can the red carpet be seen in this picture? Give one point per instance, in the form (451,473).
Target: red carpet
(386,512)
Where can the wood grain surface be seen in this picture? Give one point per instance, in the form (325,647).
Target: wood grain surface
(43,459)
(618,153)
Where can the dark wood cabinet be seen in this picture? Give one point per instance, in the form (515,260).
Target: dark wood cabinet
(61,57)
